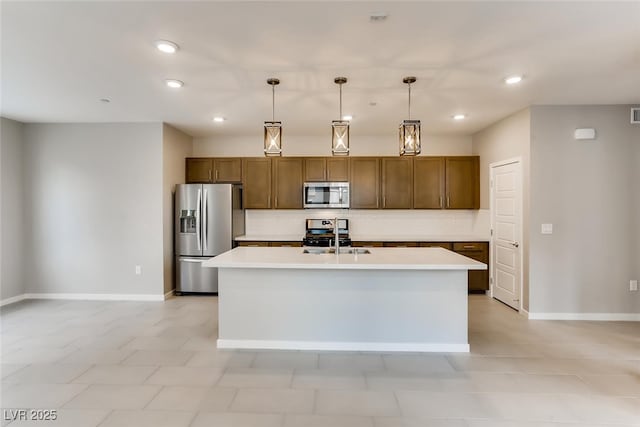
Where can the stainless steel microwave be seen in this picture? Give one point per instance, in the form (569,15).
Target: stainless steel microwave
(326,195)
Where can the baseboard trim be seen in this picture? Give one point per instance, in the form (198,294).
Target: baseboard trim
(11,300)
(342,346)
(87,297)
(169,294)
(614,317)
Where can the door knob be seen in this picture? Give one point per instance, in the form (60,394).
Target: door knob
(515,244)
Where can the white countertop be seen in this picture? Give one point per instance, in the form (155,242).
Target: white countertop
(369,238)
(378,259)
(419,238)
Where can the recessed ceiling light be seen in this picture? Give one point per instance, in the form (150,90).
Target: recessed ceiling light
(347,118)
(174,84)
(166,46)
(511,80)
(218,119)
(459,117)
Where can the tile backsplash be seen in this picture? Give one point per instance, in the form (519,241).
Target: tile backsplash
(388,223)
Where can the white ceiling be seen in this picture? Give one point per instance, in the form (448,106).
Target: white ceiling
(59,59)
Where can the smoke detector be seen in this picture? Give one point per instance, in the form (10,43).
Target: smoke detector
(635,115)
(378,16)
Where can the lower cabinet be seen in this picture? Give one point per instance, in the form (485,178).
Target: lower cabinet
(400,244)
(295,244)
(251,243)
(292,244)
(445,245)
(357,244)
(478,279)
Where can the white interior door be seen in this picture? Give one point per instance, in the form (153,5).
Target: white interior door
(506,220)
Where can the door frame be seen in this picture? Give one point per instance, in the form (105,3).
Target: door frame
(492,260)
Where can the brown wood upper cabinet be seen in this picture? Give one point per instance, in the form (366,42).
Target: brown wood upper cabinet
(397,183)
(326,169)
(428,183)
(446,182)
(256,179)
(287,183)
(364,178)
(199,171)
(227,170)
(462,182)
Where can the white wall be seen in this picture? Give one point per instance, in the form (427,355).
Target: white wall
(248,146)
(176,147)
(94,201)
(507,139)
(11,209)
(589,191)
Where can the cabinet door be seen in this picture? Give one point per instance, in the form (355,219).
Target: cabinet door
(358,244)
(250,243)
(337,169)
(314,169)
(445,245)
(256,174)
(365,182)
(296,244)
(462,182)
(199,170)
(478,279)
(400,244)
(397,183)
(287,185)
(227,170)
(428,183)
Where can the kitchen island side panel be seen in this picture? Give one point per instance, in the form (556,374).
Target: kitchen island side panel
(357,310)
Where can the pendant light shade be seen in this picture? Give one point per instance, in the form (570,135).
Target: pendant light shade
(340,128)
(409,133)
(273,129)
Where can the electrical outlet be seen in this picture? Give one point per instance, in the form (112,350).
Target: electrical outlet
(546,229)
(633,285)
(138,270)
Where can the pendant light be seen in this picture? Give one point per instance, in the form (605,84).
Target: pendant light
(340,128)
(409,129)
(273,129)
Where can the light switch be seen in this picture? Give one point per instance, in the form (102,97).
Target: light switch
(547,229)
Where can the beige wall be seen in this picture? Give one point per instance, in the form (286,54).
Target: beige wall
(247,146)
(507,139)
(589,191)
(12,225)
(94,203)
(176,146)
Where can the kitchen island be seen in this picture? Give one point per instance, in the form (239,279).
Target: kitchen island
(389,299)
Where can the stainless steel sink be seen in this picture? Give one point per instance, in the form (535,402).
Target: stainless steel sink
(319,251)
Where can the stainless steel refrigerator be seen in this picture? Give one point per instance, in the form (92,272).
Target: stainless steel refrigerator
(208,217)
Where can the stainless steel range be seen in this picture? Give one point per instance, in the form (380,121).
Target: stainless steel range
(320,232)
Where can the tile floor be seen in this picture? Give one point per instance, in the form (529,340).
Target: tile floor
(124,364)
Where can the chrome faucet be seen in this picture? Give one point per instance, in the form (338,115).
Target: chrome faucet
(336,235)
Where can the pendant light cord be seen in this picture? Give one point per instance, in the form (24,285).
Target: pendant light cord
(340,101)
(273,103)
(409,100)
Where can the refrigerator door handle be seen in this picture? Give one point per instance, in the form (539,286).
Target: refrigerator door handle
(198,228)
(196,260)
(205,220)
